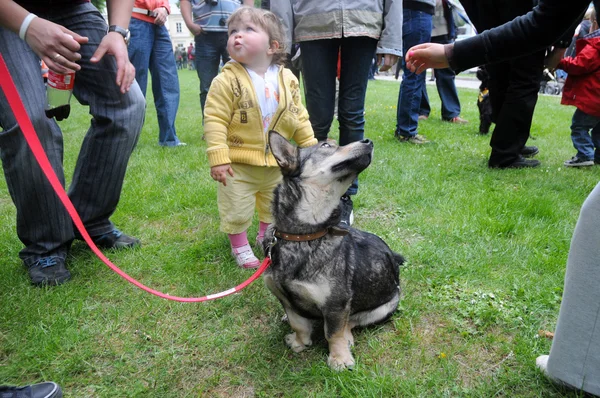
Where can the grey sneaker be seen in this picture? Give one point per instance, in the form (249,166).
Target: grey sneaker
(416,139)
(47,389)
(577,162)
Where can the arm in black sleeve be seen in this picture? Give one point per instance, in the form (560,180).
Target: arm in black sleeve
(538,29)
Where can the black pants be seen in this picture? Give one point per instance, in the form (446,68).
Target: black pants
(514,84)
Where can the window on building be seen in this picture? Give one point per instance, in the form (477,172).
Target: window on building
(178,27)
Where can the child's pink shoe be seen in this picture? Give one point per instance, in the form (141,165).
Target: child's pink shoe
(244,257)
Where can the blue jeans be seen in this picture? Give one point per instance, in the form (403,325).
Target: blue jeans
(211,47)
(444,80)
(416,29)
(150,48)
(319,82)
(585,144)
(43,224)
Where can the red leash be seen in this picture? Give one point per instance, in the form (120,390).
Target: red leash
(14,100)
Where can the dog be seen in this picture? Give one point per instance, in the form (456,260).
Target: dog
(344,277)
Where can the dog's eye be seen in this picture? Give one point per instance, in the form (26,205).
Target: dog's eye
(325,145)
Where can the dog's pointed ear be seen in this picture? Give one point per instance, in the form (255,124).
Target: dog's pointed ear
(285,153)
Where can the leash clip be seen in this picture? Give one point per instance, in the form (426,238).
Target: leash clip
(273,243)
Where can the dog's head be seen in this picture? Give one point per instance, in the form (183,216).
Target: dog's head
(325,163)
(323,172)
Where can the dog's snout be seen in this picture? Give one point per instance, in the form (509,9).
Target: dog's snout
(367,141)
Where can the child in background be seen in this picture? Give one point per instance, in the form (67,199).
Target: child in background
(252,95)
(582,89)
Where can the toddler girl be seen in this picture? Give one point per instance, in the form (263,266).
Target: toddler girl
(252,95)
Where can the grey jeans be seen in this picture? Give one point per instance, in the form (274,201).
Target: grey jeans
(43,224)
(575,354)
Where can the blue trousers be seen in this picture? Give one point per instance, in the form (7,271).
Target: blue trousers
(588,147)
(43,224)
(416,29)
(150,49)
(446,87)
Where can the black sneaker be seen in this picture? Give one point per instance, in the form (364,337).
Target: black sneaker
(116,239)
(520,163)
(578,162)
(529,151)
(48,271)
(347,212)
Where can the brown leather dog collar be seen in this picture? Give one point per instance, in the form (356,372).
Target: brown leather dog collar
(313,236)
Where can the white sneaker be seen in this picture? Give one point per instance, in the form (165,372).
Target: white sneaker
(244,257)
(541,363)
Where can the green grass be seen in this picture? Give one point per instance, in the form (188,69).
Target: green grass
(486,253)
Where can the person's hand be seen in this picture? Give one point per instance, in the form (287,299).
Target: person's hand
(554,57)
(389,60)
(195,29)
(424,56)
(219,173)
(160,16)
(114,45)
(56,45)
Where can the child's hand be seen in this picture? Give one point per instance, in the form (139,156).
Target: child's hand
(219,173)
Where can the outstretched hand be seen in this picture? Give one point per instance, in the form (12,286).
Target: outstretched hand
(219,173)
(424,56)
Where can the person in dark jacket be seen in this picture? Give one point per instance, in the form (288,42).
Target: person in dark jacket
(574,358)
(513,87)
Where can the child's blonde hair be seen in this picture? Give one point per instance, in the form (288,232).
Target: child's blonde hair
(267,21)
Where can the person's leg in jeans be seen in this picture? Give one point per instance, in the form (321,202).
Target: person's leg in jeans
(140,48)
(207,62)
(147,51)
(416,29)
(581,125)
(319,83)
(425,107)
(354,75)
(446,86)
(165,86)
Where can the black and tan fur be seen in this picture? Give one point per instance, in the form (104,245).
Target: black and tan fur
(345,281)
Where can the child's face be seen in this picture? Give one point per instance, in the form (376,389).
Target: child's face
(249,44)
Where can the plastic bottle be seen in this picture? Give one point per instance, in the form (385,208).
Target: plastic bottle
(58,94)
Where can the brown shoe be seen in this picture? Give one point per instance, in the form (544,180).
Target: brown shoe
(417,139)
(457,120)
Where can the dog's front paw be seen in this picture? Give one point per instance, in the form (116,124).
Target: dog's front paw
(340,362)
(295,344)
